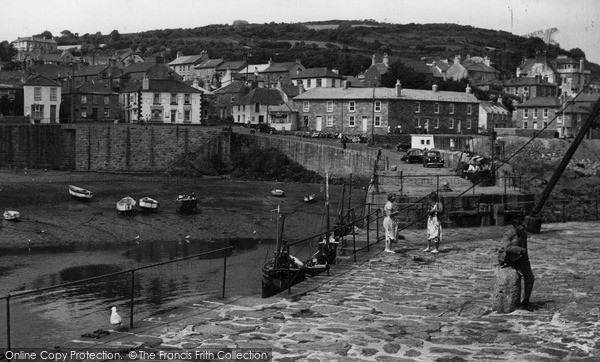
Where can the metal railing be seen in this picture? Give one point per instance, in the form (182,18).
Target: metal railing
(224,251)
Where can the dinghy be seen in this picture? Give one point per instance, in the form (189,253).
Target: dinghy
(80,193)
(148,203)
(126,205)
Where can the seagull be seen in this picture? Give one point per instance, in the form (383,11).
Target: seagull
(28,244)
(137,240)
(115,318)
(187,239)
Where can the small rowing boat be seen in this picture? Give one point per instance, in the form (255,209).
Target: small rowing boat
(126,205)
(148,203)
(80,193)
(277,193)
(12,215)
(187,203)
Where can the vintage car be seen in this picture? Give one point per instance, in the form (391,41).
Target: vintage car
(413,155)
(433,158)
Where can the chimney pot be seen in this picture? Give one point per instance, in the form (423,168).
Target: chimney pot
(398,88)
(434,88)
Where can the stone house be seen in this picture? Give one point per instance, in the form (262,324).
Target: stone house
(317,77)
(368,111)
(568,74)
(136,72)
(226,97)
(41,99)
(162,101)
(92,102)
(30,43)
(255,107)
(476,69)
(206,72)
(184,64)
(372,76)
(526,87)
(281,73)
(537,113)
(493,115)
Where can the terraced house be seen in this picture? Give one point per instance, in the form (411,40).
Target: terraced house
(370,111)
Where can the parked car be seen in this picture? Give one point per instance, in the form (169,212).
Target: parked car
(414,155)
(433,158)
(265,128)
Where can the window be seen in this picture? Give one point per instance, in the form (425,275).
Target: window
(186,98)
(451,123)
(83,114)
(418,122)
(173,98)
(256,107)
(417,107)
(545,112)
(329,121)
(232,98)
(545,124)
(156,98)
(53,94)
(106,113)
(436,108)
(305,106)
(524,124)
(436,123)
(535,125)
(157,114)
(38,111)
(308,83)
(352,121)
(37,94)
(377,106)
(83,99)
(469,123)
(329,106)
(451,108)
(319,83)
(535,111)
(351,106)
(186,115)
(469,109)
(526,113)
(377,121)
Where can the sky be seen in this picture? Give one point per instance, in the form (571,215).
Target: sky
(574,19)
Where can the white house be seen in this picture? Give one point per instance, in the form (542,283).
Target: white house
(317,77)
(162,101)
(41,99)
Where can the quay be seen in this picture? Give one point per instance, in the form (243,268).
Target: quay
(405,306)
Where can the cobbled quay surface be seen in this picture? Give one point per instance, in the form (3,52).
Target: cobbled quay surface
(406,306)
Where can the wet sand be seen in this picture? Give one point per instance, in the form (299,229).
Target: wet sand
(51,218)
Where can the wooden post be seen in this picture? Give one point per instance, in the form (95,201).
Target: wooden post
(131,299)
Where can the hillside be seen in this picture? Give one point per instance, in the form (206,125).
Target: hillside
(344,45)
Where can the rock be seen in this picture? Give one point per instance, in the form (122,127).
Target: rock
(507,290)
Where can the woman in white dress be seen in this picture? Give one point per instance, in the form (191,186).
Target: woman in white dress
(434,225)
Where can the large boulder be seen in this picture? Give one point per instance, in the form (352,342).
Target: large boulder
(507,290)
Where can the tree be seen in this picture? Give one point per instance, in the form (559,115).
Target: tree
(406,75)
(46,35)
(7,51)
(577,53)
(114,35)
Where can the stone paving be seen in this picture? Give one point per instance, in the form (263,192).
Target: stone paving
(407,306)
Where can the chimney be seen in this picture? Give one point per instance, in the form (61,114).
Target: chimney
(434,88)
(256,72)
(373,60)
(145,83)
(499,100)
(398,88)
(346,84)
(518,72)
(179,54)
(457,59)
(581,65)
(270,61)
(486,61)
(300,88)
(386,60)
(195,83)
(468,89)
(335,71)
(298,61)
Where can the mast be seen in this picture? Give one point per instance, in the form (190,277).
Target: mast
(327,233)
(277,241)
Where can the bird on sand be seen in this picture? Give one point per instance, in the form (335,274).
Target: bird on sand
(137,240)
(115,318)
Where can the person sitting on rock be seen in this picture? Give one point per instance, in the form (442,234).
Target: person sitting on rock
(514,254)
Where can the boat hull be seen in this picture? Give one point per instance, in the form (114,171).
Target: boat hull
(276,280)
(149,204)
(11,215)
(80,193)
(126,206)
(187,205)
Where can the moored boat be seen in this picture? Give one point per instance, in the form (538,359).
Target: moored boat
(284,270)
(187,203)
(11,215)
(148,203)
(126,205)
(310,198)
(277,193)
(80,193)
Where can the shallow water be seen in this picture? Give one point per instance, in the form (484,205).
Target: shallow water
(49,318)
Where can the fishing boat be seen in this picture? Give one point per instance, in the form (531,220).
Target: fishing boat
(148,203)
(277,193)
(126,205)
(187,203)
(12,215)
(310,198)
(284,270)
(80,193)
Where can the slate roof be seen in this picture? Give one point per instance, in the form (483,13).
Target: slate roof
(261,95)
(234,66)
(387,93)
(476,66)
(209,63)
(493,107)
(540,102)
(41,81)
(91,70)
(138,67)
(91,88)
(187,59)
(51,71)
(285,108)
(233,87)
(162,86)
(250,69)
(322,72)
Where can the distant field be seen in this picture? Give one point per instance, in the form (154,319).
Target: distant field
(335,26)
(320,44)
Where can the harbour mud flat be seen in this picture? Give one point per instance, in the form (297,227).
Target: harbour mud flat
(51,218)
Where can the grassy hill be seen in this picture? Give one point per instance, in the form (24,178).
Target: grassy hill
(344,45)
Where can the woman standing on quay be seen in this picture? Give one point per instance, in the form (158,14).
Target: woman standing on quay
(434,225)
(389,223)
